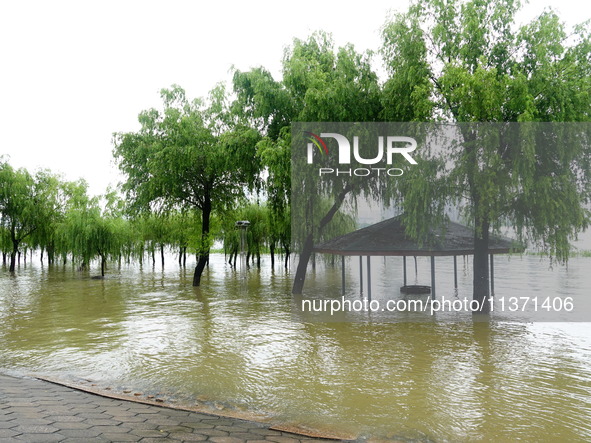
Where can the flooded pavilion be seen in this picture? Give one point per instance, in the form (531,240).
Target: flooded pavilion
(389,238)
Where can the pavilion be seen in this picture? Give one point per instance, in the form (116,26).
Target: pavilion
(388,238)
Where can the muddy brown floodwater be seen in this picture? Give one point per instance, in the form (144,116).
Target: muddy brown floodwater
(233,345)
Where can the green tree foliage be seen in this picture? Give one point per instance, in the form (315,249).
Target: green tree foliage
(184,226)
(55,202)
(320,84)
(188,156)
(257,232)
(275,155)
(157,230)
(27,204)
(467,61)
(89,232)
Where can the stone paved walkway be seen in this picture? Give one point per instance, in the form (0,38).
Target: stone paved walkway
(33,410)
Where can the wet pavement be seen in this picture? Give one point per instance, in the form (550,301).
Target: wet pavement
(34,410)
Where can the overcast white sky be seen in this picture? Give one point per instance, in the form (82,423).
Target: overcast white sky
(74,72)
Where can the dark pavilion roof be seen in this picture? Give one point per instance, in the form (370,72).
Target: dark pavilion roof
(388,238)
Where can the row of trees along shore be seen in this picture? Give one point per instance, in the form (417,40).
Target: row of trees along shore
(447,61)
(62,223)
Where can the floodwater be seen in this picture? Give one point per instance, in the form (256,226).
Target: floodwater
(233,345)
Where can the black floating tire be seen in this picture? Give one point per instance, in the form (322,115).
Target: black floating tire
(415,289)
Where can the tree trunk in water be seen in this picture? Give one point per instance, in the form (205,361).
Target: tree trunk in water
(272,248)
(199,270)
(287,252)
(14,253)
(481,270)
(50,254)
(103,265)
(162,253)
(12,261)
(204,256)
(300,277)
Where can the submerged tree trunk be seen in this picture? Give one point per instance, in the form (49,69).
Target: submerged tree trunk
(14,252)
(272,249)
(12,261)
(204,255)
(287,253)
(162,253)
(50,254)
(480,285)
(300,277)
(481,269)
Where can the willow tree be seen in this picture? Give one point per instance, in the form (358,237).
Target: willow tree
(54,202)
(188,155)
(183,226)
(320,83)
(466,62)
(27,204)
(269,108)
(91,228)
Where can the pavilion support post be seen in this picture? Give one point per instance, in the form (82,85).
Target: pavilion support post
(404,268)
(342,274)
(369,277)
(433,277)
(455,272)
(492,275)
(361,274)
